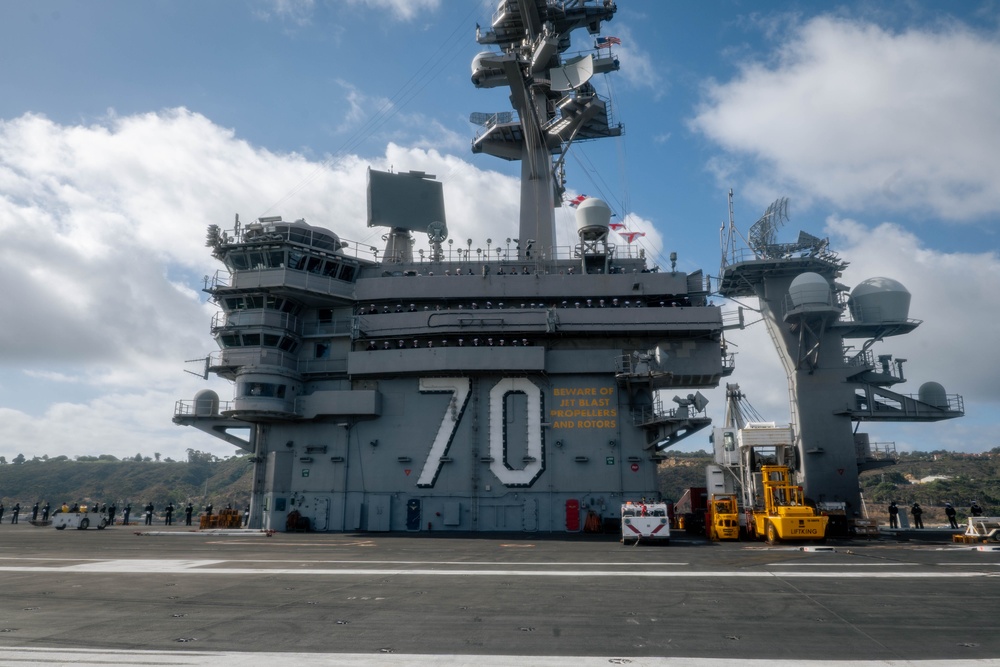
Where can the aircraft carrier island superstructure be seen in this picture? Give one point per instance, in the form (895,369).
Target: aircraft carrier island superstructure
(508,387)
(833,386)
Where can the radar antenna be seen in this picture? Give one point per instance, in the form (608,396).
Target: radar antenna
(490,119)
(764,232)
(437,232)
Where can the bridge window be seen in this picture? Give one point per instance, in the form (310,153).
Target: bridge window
(238,261)
(264,390)
(330,268)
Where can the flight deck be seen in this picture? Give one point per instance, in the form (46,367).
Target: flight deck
(176,596)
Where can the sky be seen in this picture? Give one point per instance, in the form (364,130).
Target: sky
(126,128)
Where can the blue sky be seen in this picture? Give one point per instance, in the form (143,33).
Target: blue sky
(127,127)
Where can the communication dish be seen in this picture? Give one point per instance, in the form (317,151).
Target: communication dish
(437,231)
(575,73)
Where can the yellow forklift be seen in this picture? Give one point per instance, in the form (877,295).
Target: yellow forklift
(723,521)
(784,516)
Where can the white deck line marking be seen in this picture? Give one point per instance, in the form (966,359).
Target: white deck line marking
(826,564)
(140,565)
(976,564)
(45,656)
(167,566)
(285,561)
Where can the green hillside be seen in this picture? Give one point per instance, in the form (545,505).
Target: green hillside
(202,479)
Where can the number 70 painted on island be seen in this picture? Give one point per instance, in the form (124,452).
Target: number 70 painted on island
(459,388)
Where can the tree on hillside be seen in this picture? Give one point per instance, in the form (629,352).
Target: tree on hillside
(3,460)
(137,457)
(194,456)
(19,459)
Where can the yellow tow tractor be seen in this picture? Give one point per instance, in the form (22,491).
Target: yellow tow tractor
(785,516)
(723,517)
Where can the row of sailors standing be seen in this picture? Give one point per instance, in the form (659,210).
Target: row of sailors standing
(474,342)
(588,303)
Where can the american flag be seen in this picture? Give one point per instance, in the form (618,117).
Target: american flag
(606,42)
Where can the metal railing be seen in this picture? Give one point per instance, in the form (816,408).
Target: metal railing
(863,359)
(342,326)
(255,318)
(952,403)
(253,356)
(326,366)
(189,408)
(778,252)
(878,451)
(311,239)
(656,412)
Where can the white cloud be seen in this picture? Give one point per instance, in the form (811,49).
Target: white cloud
(296,12)
(637,67)
(863,117)
(368,119)
(402,10)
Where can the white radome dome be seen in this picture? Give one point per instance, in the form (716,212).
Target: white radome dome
(592,214)
(880,300)
(809,288)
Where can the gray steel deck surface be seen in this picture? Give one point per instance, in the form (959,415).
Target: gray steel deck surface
(540,599)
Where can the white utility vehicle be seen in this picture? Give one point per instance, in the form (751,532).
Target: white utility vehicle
(645,521)
(80,520)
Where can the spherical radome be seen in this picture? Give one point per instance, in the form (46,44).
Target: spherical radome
(809,288)
(880,300)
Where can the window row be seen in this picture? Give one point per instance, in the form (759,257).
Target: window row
(263,390)
(257,339)
(258,301)
(246,258)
